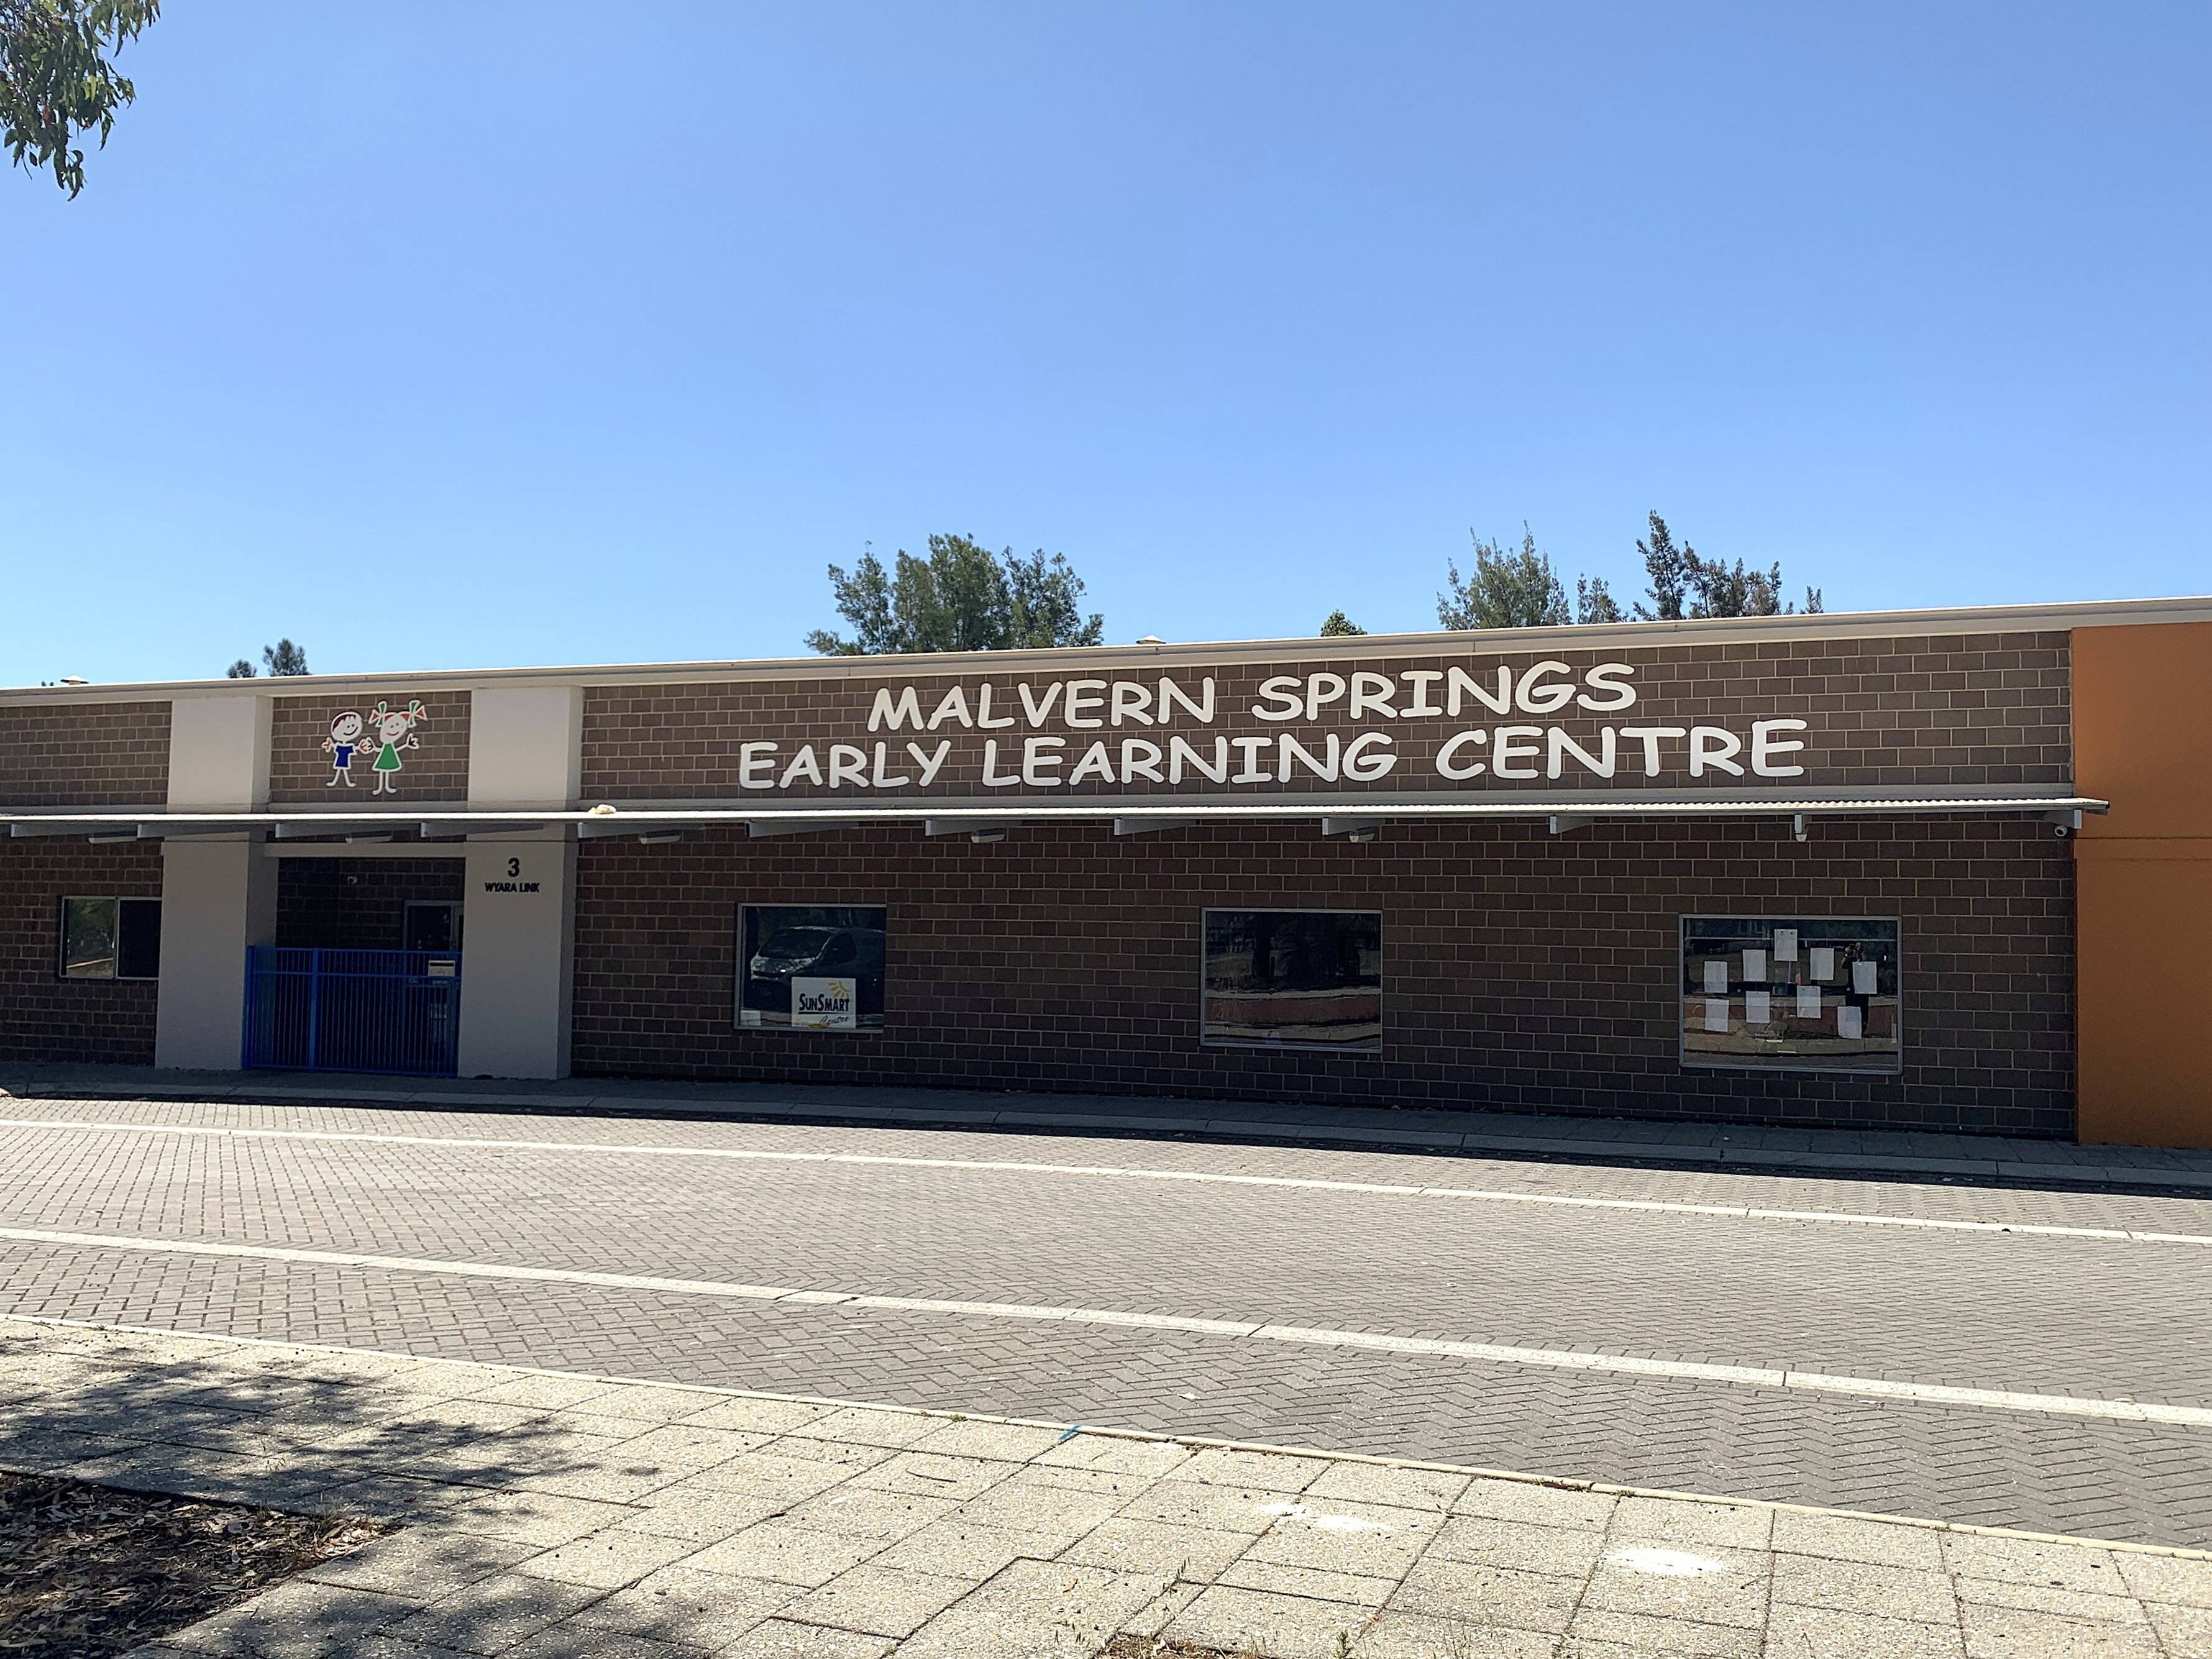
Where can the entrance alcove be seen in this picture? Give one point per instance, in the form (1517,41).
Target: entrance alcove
(364,974)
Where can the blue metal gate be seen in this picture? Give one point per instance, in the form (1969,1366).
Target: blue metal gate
(353,1011)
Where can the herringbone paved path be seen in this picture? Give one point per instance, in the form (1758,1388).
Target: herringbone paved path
(2102,1319)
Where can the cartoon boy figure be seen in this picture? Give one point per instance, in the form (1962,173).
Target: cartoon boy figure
(393,730)
(341,745)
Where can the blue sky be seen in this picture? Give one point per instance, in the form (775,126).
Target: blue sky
(457,336)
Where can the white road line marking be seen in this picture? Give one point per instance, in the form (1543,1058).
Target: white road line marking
(2125,1411)
(1125,1172)
(1109,1431)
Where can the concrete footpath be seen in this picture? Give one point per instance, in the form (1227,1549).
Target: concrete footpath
(548,1514)
(1813,1152)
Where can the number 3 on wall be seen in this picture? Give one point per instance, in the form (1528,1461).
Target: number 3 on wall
(514,868)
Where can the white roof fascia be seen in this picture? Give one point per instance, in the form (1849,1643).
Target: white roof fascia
(1076,659)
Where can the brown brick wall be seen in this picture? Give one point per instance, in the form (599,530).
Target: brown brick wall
(43,1017)
(356,904)
(435,770)
(88,755)
(1883,713)
(1522,971)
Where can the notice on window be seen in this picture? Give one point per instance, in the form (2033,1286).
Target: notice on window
(1799,994)
(826,1005)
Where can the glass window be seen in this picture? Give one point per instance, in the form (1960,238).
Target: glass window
(89,938)
(1301,979)
(430,925)
(1797,993)
(811,967)
(138,939)
(110,939)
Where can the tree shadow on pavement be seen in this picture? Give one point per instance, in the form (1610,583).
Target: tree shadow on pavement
(395,1444)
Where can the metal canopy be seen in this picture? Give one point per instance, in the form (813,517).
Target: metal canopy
(1338,815)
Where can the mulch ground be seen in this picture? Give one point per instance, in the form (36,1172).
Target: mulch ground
(86,1571)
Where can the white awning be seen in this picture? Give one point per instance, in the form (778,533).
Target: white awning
(1351,815)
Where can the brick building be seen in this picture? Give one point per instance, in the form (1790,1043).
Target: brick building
(1940,870)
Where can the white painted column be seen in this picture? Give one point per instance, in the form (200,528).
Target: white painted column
(518,955)
(519,914)
(218,893)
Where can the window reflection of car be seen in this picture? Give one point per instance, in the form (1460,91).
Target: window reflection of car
(812,952)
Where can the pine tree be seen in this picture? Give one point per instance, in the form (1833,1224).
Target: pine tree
(1505,590)
(962,598)
(1683,585)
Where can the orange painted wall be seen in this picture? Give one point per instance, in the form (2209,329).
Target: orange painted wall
(2142,741)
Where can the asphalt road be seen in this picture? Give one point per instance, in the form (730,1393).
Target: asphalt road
(1842,1351)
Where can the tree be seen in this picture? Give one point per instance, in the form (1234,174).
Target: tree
(962,598)
(1593,601)
(284,661)
(1664,566)
(1336,626)
(1506,590)
(1046,602)
(55,79)
(1685,585)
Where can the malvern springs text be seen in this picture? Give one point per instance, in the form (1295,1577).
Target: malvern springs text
(1157,734)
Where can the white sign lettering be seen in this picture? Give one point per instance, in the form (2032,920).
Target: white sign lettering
(1502,723)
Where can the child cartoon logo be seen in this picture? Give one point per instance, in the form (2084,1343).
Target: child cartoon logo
(393,730)
(342,745)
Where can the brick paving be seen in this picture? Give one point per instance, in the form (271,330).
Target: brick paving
(2022,1163)
(2047,1472)
(548,1514)
(2093,1318)
(2089,1317)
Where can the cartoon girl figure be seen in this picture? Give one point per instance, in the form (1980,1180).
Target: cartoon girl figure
(342,744)
(393,730)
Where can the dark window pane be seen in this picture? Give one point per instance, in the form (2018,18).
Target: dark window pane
(138,945)
(1294,978)
(816,966)
(87,939)
(1797,993)
(429,924)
